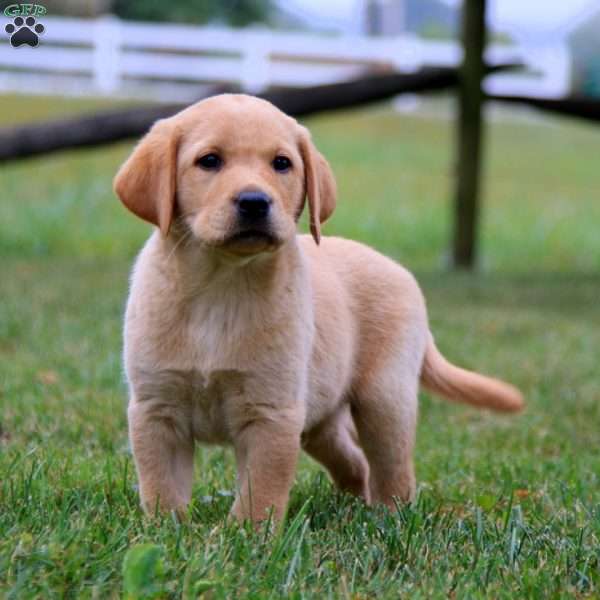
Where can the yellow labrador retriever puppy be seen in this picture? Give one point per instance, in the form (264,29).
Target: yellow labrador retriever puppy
(239,331)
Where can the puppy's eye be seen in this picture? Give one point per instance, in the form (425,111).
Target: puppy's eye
(282,164)
(210,162)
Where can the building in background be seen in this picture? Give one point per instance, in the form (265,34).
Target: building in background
(584,42)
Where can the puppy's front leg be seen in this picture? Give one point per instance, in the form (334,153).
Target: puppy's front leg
(163,450)
(266,453)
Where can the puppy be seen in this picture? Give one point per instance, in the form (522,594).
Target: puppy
(238,331)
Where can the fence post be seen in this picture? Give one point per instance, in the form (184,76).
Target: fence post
(470,100)
(255,72)
(406,53)
(107,50)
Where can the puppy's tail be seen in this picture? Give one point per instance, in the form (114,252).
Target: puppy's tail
(459,385)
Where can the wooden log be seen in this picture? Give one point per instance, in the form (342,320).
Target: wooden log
(573,106)
(115,125)
(103,127)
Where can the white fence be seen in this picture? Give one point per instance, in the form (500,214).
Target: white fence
(166,62)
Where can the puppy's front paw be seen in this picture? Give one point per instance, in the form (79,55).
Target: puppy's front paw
(259,518)
(154,506)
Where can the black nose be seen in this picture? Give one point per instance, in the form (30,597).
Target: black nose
(253,205)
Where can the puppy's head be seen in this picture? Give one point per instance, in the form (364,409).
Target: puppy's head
(232,169)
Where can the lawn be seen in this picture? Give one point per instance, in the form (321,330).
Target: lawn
(508,507)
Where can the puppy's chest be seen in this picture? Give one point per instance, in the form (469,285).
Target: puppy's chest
(220,333)
(202,399)
(205,361)
(206,368)
(210,397)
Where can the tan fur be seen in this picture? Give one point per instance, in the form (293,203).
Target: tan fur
(269,344)
(456,384)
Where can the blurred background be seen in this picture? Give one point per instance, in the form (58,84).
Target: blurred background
(486,186)
(531,179)
(109,47)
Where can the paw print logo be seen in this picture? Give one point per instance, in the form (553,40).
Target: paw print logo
(24,31)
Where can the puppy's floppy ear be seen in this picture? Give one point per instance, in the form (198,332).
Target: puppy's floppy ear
(320,185)
(146,182)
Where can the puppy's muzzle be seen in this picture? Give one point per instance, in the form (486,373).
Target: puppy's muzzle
(254,232)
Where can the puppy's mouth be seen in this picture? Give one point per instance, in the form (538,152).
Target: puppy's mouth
(252,235)
(251,241)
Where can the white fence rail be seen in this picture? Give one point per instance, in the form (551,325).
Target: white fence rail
(165,62)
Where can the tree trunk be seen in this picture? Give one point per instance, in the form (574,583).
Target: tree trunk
(470,126)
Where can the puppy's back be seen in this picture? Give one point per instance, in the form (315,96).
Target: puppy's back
(386,308)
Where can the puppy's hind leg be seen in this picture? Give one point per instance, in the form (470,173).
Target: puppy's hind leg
(334,444)
(385,413)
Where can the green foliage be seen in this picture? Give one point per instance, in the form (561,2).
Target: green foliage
(232,12)
(507,507)
(143,572)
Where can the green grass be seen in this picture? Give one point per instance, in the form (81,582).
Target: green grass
(507,507)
